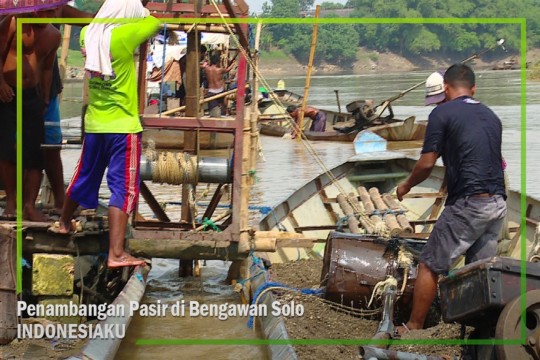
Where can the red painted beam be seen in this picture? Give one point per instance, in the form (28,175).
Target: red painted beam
(175,9)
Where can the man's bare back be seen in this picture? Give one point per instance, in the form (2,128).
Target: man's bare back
(214,74)
(40,43)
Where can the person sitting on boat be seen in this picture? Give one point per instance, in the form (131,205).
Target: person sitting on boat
(112,126)
(468,136)
(318,117)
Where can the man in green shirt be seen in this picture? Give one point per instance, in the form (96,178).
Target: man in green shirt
(112,126)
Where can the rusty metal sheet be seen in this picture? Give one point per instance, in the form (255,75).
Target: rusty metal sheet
(477,293)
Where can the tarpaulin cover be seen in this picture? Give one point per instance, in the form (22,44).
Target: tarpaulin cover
(26,6)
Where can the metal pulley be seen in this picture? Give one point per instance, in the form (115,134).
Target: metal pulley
(511,324)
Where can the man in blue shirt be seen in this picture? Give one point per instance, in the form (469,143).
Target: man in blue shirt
(468,136)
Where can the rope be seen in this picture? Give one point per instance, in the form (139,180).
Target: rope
(359,212)
(379,287)
(209,223)
(176,169)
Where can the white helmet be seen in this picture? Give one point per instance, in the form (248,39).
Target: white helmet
(435,88)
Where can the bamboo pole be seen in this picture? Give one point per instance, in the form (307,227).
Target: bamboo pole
(205,100)
(366,200)
(391,202)
(377,200)
(254,117)
(308,76)
(404,223)
(348,210)
(64,54)
(391,221)
(353,200)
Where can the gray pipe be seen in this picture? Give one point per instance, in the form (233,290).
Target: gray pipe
(211,170)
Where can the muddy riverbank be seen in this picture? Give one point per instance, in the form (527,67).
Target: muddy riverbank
(322,321)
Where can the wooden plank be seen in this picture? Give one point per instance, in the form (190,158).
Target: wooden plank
(214,202)
(314,228)
(8,295)
(422,222)
(408,196)
(152,203)
(300,243)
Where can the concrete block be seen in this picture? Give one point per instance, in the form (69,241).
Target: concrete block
(52,274)
(61,306)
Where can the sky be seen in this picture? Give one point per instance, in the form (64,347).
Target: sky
(256,5)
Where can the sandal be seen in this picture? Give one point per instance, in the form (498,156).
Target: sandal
(397,334)
(125,261)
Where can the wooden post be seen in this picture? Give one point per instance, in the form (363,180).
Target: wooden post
(8,296)
(64,55)
(254,135)
(337,99)
(192,86)
(308,76)
(241,179)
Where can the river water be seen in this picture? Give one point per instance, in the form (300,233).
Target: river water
(286,166)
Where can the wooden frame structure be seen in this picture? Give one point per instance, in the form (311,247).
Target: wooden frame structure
(235,229)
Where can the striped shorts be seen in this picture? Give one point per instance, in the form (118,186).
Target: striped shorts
(121,153)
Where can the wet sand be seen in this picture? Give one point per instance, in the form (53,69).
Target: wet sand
(321,321)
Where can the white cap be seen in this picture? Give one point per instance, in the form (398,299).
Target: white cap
(435,88)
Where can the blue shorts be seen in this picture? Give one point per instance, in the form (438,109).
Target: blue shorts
(121,153)
(53,133)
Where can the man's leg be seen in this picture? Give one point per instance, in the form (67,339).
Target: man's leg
(8,175)
(117,234)
(425,290)
(66,224)
(84,186)
(123,181)
(32,182)
(53,162)
(55,174)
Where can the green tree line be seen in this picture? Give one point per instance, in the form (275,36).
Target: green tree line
(338,43)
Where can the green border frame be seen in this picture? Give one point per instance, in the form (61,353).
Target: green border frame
(254,342)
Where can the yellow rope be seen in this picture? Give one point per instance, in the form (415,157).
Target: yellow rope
(175,169)
(383,232)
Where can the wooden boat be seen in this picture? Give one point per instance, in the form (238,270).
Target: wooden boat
(279,125)
(398,135)
(314,210)
(354,264)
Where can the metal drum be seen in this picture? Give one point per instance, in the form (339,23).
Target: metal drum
(354,264)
